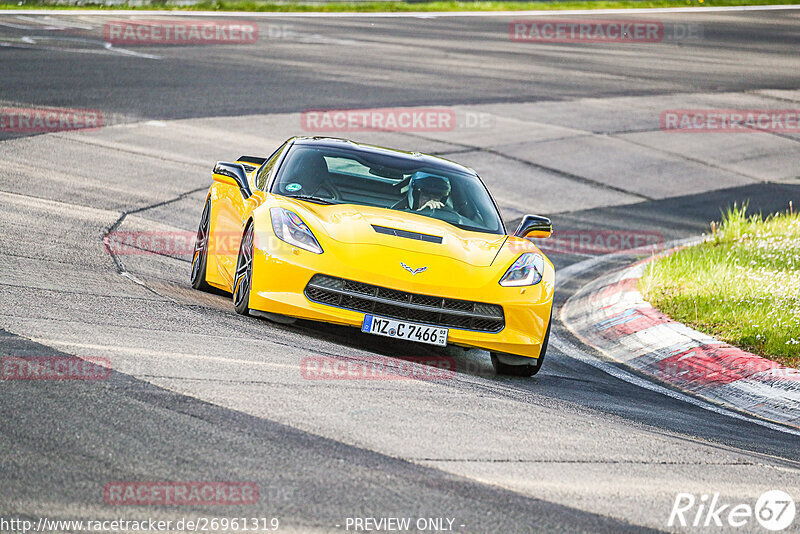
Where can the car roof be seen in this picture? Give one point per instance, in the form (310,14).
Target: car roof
(335,142)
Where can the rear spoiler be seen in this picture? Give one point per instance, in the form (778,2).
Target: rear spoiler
(251,163)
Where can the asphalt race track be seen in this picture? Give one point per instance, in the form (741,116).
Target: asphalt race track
(568,130)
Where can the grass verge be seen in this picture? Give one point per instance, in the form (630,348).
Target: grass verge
(386,6)
(741,286)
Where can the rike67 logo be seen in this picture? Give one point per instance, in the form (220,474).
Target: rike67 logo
(774,510)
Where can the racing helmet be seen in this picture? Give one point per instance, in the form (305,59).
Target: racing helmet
(429,185)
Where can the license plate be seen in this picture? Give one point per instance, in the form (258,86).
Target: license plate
(381,326)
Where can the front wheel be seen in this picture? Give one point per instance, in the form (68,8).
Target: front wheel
(243,279)
(524,369)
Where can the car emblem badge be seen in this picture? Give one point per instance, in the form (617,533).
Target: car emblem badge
(413,271)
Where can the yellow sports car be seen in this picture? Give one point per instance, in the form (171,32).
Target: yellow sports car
(399,244)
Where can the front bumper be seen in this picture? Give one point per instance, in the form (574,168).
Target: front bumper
(280,277)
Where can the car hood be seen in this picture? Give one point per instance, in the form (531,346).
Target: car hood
(353,224)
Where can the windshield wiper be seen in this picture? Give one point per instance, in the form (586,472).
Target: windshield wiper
(310,198)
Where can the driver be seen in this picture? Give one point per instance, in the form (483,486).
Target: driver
(428,191)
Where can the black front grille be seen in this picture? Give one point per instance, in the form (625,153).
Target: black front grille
(385,302)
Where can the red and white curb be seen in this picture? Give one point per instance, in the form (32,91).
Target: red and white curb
(611,315)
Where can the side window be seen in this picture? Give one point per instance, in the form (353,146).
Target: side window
(266,170)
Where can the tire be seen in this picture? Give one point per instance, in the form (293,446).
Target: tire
(501,368)
(243,277)
(200,256)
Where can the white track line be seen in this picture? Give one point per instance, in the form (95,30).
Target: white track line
(103,47)
(160,354)
(574,352)
(409,14)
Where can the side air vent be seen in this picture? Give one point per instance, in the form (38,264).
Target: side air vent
(408,235)
(250,163)
(252,159)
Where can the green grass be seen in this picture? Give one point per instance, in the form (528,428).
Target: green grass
(394,6)
(741,286)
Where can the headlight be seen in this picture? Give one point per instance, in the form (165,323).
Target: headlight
(289,227)
(526,271)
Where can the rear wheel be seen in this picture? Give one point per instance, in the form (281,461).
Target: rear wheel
(200,256)
(521,369)
(243,278)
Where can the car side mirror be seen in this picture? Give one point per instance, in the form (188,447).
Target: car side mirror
(232,174)
(534,226)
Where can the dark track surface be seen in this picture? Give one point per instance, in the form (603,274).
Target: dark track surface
(573,449)
(302,63)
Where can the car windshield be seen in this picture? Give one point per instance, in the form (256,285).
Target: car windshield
(349,176)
